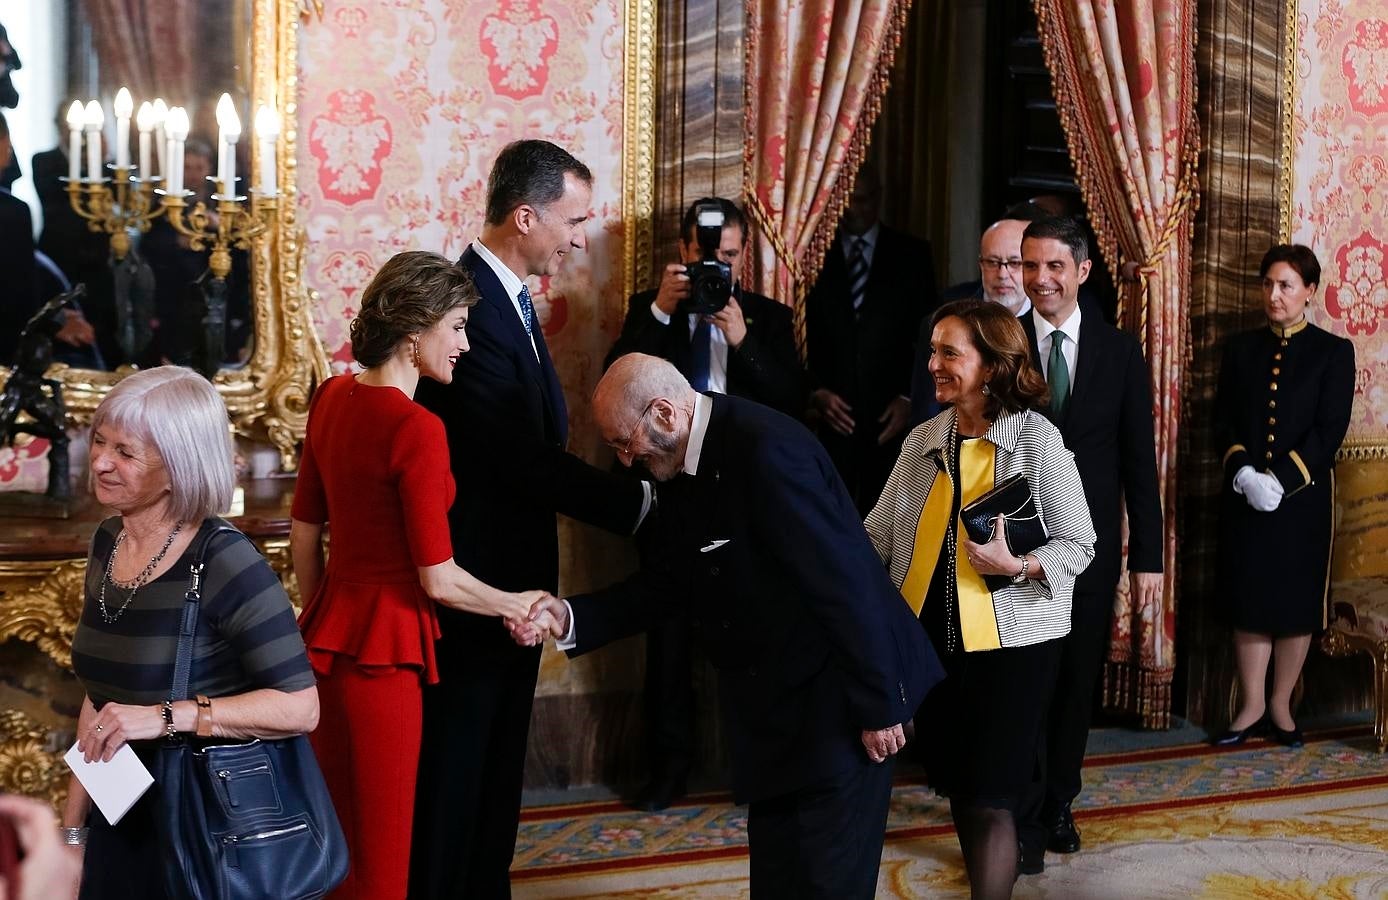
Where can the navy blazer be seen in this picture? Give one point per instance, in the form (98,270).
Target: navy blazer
(507,426)
(1108,426)
(812,642)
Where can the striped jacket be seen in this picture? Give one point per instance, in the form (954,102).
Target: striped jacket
(1028,444)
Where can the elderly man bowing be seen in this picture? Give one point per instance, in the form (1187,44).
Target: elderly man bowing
(820,660)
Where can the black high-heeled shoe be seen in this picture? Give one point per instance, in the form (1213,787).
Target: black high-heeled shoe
(1232,738)
(1291,738)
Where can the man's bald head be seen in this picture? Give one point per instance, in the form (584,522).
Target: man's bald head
(1000,263)
(644,408)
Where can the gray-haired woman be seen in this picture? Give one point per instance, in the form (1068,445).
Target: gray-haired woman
(161,457)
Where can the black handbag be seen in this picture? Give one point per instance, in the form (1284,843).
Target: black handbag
(241,820)
(1022,529)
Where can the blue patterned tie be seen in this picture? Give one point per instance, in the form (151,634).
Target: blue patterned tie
(700,354)
(527,311)
(857,272)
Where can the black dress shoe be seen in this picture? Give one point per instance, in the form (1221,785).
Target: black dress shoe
(658,794)
(1030,860)
(1063,836)
(1232,738)
(1291,738)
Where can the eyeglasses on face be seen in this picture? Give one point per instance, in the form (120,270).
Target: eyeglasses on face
(993,264)
(625,449)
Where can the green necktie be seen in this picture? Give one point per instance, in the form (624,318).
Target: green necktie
(1058,374)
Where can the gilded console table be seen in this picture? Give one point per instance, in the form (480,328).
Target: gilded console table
(42,566)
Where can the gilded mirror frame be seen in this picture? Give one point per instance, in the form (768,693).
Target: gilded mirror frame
(268,397)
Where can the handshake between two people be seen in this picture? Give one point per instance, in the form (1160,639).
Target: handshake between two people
(548,616)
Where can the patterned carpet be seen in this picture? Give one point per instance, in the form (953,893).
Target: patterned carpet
(1258,821)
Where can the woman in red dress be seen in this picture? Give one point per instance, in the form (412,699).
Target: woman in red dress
(375,467)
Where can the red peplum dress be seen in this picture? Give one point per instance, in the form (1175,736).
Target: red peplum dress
(375,469)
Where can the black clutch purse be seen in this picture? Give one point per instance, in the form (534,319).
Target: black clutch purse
(1023,530)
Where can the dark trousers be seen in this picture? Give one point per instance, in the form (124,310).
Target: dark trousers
(125,861)
(669,699)
(471,767)
(1068,715)
(823,841)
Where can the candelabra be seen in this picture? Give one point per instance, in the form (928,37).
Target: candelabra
(235,223)
(116,206)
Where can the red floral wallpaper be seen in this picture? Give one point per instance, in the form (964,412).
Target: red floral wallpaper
(1340,186)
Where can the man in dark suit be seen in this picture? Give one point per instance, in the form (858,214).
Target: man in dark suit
(861,320)
(507,427)
(1101,400)
(820,660)
(747,349)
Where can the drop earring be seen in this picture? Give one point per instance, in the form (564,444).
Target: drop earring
(414,344)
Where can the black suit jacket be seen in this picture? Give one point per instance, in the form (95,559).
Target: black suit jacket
(866,358)
(1108,426)
(765,368)
(811,641)
(18,291)
(507,427)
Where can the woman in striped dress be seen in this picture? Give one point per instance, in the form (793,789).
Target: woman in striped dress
(980,730)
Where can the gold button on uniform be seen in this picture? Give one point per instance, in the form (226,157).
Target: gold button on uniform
(1272,420)
(1276,357)
(1273,386)
(1271,439)
(1276,370)
(1268,454)
(1272,404)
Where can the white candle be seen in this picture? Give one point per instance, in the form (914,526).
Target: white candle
(74,140)
(161,113)
(124,107)
(267,129)
(177,125)
(92,119)
(229,131)
(144,121)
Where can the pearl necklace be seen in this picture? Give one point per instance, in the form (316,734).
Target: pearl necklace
(110,617)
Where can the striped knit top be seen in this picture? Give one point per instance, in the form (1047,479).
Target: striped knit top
(246,638)
(1027,444)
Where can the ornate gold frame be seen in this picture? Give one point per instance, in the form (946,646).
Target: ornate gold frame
(638,145)
(268,397)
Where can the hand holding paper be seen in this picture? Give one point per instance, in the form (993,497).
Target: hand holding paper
(114,786)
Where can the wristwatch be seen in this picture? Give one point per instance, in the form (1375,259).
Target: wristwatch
(1022,575)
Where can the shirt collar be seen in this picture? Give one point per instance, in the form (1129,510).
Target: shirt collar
(510,281)
(1070,327)
(869,237)
(698,430)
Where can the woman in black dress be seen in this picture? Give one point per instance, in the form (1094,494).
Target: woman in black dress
(1282,409)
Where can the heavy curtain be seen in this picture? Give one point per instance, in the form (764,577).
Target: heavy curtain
(1124,81)
(816,72)
(147,46)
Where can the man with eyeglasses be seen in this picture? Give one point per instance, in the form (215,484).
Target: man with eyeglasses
(1000,281)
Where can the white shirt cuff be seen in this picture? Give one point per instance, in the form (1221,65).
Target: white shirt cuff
(570,638)
(659,314)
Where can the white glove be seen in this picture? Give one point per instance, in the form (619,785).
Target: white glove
(1262,489)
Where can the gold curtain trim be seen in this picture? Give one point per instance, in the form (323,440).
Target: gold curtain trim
(803,271)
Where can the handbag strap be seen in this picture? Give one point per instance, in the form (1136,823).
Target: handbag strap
(183,658)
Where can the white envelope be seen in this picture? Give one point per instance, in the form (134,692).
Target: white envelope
(114,786)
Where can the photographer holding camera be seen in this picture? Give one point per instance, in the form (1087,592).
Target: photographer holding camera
(724,340)
(720,337)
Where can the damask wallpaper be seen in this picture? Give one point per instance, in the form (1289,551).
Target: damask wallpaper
(1339,189)
(402,108)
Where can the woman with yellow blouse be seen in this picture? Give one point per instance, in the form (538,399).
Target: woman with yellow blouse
(980,730)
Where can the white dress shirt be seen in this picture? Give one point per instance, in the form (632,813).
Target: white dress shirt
(698,430)
(717,349)
(511,283)
(1045,335)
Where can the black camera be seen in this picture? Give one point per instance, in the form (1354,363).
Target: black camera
(710,279)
